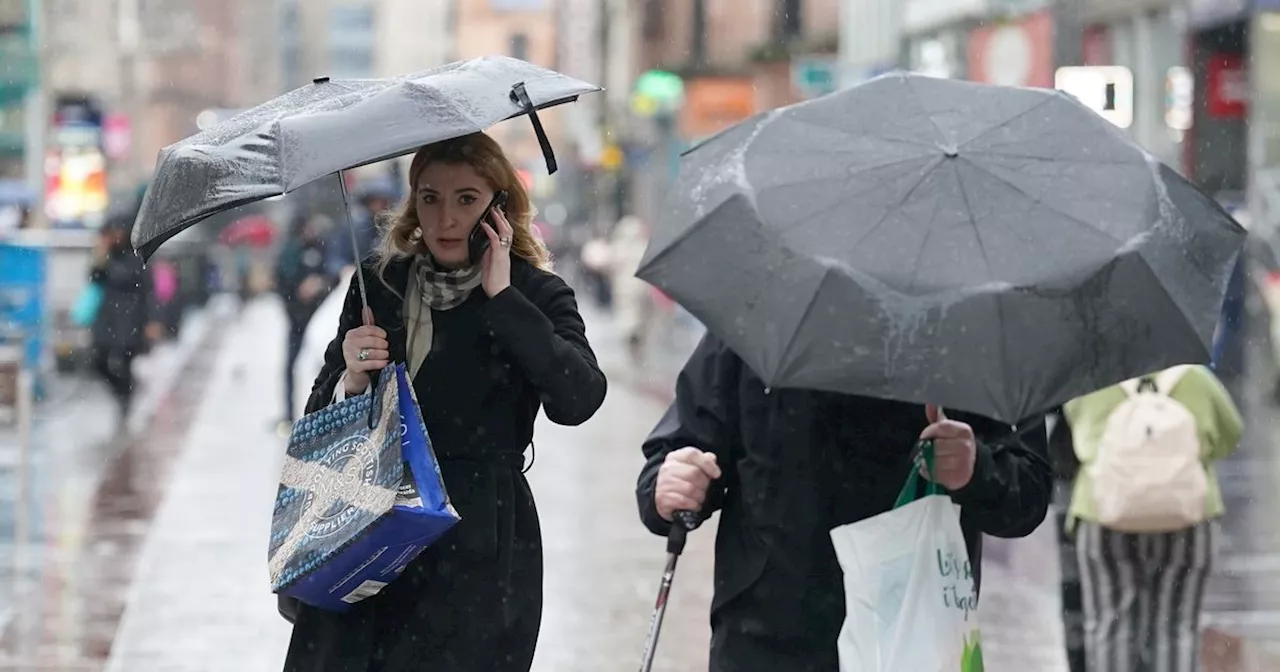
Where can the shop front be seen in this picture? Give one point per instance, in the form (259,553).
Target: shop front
(935,35)
(1015,52)
(1145,38)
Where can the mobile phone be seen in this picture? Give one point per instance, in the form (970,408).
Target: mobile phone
(478,240)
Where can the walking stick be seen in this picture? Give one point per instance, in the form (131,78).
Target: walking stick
(685,522)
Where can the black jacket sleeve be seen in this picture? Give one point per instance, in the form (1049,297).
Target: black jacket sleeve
(334,363)
(541,326)
(1012,482)
(704,416)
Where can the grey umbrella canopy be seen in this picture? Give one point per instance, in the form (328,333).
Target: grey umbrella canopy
(332,125)
(996,250)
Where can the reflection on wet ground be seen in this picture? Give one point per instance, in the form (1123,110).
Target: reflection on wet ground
(602,566)
(95,493)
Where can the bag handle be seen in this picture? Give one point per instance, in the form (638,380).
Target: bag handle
(912,486)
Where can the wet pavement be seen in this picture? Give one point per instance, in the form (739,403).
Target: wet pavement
(169,574)
(63,584)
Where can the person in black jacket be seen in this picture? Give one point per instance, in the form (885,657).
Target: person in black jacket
(125,322)
(784,467)
(487,346)
(303,282)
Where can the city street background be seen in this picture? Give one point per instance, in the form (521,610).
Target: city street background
(142,547)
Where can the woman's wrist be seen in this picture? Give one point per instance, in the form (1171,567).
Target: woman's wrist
(353,383)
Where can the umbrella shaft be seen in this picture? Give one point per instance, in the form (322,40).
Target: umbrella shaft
(659,610)
(355,248)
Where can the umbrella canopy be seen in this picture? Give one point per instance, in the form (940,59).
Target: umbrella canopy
(997,250)
(332,125)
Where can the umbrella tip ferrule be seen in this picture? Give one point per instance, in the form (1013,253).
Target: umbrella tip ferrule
(949,151)
(320,80)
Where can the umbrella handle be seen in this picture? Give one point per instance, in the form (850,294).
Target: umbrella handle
(366,315)
(685,522)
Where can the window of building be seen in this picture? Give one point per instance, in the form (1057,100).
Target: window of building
(516,5)
(350,63)
(520,46)
(351,17)
(789,23)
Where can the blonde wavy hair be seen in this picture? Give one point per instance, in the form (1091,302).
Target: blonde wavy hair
(399,239)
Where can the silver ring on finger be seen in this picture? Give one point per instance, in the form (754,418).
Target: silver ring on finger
(505,241)
(364,354)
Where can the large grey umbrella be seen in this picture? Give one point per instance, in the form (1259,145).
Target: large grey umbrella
(997,250)
(332,125)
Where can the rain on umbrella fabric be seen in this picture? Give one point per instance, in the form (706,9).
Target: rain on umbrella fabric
(998,250)
(332,125)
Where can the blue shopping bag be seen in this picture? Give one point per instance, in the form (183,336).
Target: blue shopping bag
(87,304)
(360,496)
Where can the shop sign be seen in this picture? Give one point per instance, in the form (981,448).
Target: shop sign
(1105,89)
(712,104)
(1017,53)
(1226,86)
(814,76)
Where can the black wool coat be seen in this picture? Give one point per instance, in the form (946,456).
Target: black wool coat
(473,600)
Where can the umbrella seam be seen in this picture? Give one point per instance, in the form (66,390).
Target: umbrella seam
(910,82)
(898,206)
(823,127)
(1002,344)
(1045,159)
(1040,202)
(808,309)
(1006,122)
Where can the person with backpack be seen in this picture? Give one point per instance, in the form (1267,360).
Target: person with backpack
(1142,510)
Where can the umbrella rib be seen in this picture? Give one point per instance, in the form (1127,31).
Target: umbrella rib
(818,216)
(1006,122)
(1041,202)
(885,217)
(845,132)
(942,135)
(977,233)
(847,177)
(1045,159)
(915,265)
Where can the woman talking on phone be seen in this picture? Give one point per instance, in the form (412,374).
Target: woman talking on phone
(489,336)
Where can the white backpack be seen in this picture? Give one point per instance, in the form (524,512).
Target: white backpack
(1147,474)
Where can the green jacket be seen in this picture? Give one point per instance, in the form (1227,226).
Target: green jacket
(1217,421)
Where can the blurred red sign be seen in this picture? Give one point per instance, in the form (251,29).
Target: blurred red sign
(1226,87)
(1014,53)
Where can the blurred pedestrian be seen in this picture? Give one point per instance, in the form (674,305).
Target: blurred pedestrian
(487,343)
(373,198)
(303,282)
(125,322)
(632,297)
(1062,458)
(1143,510)
(786,466)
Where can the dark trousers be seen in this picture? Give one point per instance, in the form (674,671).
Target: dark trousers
(115,365)
(1072,597)
(1142,597)
(297,330)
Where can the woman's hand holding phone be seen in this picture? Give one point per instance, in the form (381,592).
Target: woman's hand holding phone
(496,263)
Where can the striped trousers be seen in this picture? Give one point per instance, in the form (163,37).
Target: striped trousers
(1142,597)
